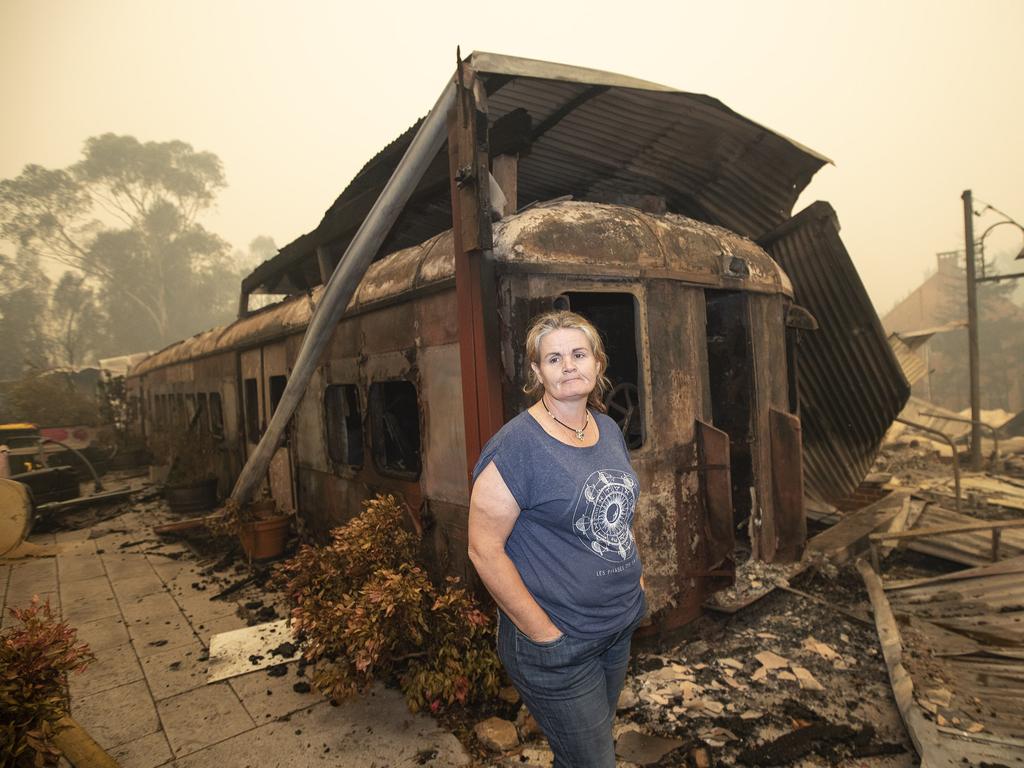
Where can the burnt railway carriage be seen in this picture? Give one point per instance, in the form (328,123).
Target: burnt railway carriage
(739,392)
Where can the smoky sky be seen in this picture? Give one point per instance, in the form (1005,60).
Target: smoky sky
(914,101)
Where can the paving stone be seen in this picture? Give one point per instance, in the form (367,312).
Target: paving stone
(201,609)
(103,633)
(147,752)
(126,566)
(167,568)
(266,698)
(202,717)
(34,575)
(80,568)
(159,636)
(149,608)
(113,667)
(90,607)
(174,671)
(376,729)
(208,629)
(134,587)
(87,589)
(118,715)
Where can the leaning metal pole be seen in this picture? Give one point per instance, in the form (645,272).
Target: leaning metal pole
(343,283)
(972,331)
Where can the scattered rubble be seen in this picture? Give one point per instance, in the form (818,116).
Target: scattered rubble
(496,734)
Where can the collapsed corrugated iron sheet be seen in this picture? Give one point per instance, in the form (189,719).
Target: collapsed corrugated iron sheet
(954,646)
(850,383)
(590,134)
(911,364)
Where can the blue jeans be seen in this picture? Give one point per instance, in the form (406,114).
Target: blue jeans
(571,687)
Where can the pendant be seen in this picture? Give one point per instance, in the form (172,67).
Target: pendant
(579,434)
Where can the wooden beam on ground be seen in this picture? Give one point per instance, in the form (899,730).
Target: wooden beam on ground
(79,748)
(940,530)
(849,537)
(184,525)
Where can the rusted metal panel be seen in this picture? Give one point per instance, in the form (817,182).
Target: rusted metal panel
(954,645)
(716,490)
(789,525)
(566,238)
(766,330)
(444,447)
(669,519)
(851,386)
(475,286)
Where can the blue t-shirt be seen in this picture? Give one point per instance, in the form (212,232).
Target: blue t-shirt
(573,541)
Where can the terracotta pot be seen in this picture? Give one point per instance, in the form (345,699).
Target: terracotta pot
(264,539)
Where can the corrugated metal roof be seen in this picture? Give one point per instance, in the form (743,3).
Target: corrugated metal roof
(850,383)
(584,133)
(911,364)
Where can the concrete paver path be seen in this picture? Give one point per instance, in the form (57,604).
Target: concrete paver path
(146,700)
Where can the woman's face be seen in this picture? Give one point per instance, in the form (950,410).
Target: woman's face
(567,369)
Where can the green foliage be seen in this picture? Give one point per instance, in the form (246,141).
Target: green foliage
(367,611)
(34,658)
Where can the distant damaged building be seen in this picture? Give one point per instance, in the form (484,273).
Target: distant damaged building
(749,368)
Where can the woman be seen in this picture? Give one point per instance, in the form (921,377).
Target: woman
(550,533)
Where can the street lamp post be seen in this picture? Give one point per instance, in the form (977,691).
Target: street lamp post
(972,331)
(972,313)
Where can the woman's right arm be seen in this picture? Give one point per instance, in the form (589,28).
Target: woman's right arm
(493,511)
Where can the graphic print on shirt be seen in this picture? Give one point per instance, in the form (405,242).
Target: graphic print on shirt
(604,513)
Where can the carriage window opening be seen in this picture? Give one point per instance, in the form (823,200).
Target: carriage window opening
(200,418)
(731,382)
(395,420)
(344,424)
(216,415)
(158,410)
(614,315)
(277,384)
(252,410)
(180,419)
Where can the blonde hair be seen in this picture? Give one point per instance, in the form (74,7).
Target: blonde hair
(558,320)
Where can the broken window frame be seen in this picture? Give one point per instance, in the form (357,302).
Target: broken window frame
(216,411)
(343,437)
(201,410)
(251,409)
(381,427)
(565,301)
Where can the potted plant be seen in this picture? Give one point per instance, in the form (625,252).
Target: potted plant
(191,484)
(260,527)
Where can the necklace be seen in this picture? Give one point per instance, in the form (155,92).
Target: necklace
(578,432)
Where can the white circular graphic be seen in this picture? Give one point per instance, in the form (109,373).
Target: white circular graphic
(604,514)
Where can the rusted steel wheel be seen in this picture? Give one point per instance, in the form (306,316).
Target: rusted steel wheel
(623,404)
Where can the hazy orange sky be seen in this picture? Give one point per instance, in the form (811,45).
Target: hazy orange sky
(914,101)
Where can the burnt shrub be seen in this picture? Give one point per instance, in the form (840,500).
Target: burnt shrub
(365,611)
(35,655)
